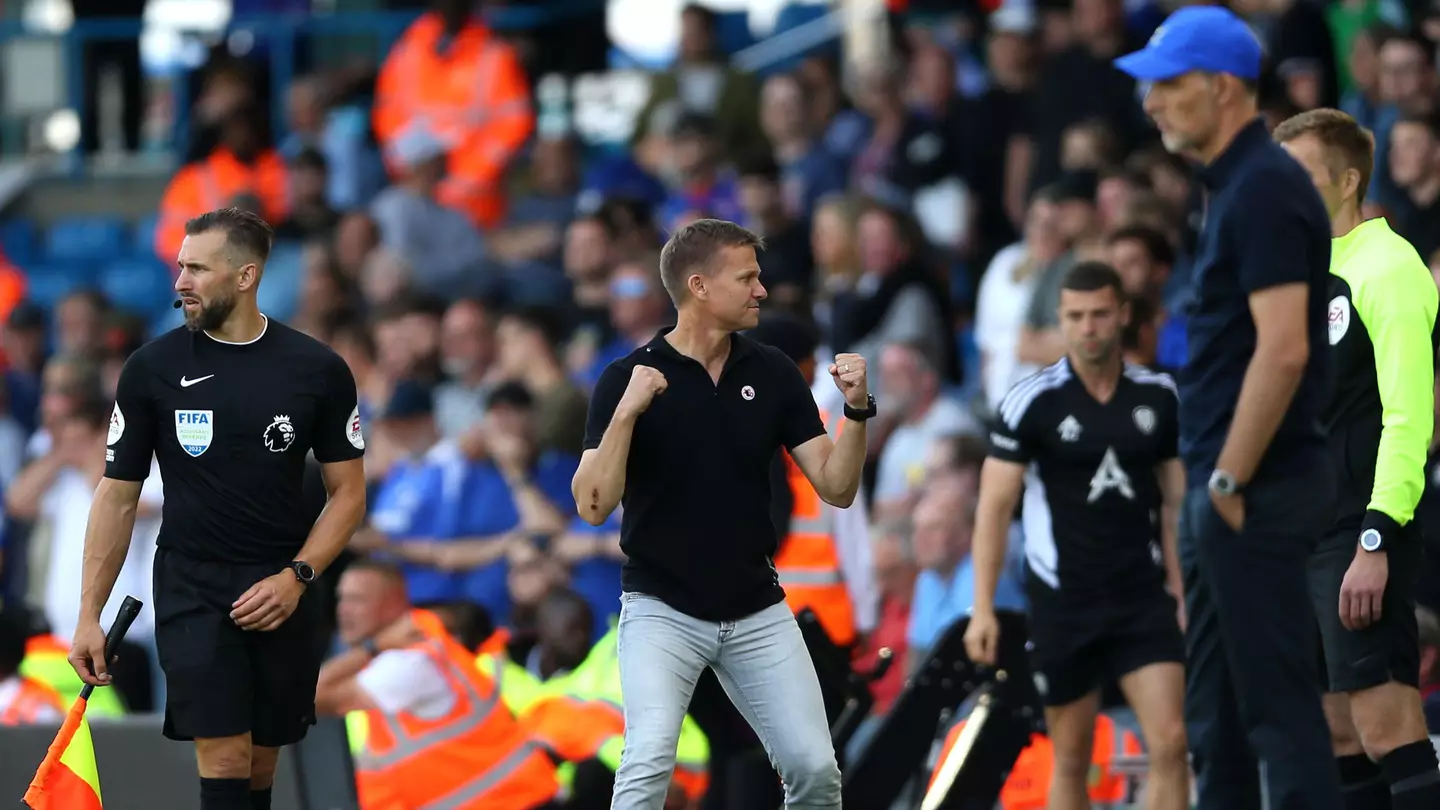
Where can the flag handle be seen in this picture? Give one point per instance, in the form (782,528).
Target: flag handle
(129,609)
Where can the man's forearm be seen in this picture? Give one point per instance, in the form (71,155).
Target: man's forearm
(1271,381)
(335,675)
(107,543)
(600,481)
(842,469)
(989,546)
(338,521)
(537,514)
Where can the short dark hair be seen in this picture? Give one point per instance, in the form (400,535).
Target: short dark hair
(760,165)
(1093,277)
(1154,242)
(511,395)
(244,231)
(1430,121)
(384,568)
(1348,145)
(1142,314)
(541,319)
(348,326)
(691,249)
(92,412)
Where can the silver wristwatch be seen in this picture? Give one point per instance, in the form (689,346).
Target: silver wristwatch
(1223,483)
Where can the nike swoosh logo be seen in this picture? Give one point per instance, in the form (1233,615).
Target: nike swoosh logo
(186,383)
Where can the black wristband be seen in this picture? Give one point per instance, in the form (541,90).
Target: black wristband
(1379,521)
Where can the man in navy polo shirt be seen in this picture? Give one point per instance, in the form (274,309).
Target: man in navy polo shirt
(1250,400)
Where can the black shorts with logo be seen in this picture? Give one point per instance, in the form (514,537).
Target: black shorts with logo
(1387,650)
(1078,649)
(220,680)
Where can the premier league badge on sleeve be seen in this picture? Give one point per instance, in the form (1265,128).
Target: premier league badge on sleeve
(195,430)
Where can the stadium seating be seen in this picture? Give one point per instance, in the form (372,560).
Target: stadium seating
(142,239)
(17,240)
(86,239)
(49,282)
(141,285)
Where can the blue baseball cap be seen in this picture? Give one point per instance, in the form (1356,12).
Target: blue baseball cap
(1207,38)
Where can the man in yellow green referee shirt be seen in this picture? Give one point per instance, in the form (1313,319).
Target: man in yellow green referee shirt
(1363,576)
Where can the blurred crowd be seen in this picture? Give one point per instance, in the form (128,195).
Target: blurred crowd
(477,272)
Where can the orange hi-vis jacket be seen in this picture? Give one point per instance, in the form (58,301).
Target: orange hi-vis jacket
(809,562)
(476,757)
(1028,787)
(32,698)
(212,183)
(472,95)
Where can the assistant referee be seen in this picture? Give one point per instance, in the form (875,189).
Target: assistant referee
(230,406)
(684,431)
(1365,572)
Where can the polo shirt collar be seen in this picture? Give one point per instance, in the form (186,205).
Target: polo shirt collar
(1223,168)
(740,346)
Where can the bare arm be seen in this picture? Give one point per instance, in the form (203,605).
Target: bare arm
(338,692)
(107,543)
(833,467)
(1000,485)
(1040,346)
(1282,349)
(1171,475)
(22,499)
(599,483)
(537,513)
(342,515)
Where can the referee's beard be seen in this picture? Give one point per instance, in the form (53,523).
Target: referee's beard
(212,315)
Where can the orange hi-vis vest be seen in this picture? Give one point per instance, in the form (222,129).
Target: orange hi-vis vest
(212,183)
(472,95)
(1028,787)
(809,563)
(32,698)
(476,757)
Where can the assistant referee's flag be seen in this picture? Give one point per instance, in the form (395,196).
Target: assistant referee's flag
(68,778)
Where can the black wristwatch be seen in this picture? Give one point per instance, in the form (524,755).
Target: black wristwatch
(1376,529)
(858,415)
(305,572)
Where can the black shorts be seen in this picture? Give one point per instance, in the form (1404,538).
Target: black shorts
(1387,650)
(1077,650)
(220,680)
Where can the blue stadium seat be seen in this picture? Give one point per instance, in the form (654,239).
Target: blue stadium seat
(142,239)
(140,285)
(86,239)
(17,239)
(732,31)
(47,283)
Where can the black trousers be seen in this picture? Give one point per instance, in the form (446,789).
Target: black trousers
(1252,692)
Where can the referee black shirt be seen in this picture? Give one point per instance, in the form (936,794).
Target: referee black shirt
(231,425)
(696,525)
(1265,225)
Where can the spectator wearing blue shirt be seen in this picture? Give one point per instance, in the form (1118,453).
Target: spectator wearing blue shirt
(342,135)
(638,306)
(808,170)
(411,515)
(592,557)
(945,589)
(514,497)
(700,184)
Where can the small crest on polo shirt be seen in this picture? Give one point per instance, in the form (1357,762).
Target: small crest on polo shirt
(1144,419)
(747,393)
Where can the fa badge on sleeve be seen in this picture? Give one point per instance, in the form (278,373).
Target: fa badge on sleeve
(195,430)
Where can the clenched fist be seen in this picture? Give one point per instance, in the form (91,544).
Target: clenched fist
(645,384)
(849,373)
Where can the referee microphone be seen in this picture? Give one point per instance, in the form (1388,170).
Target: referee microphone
(179,302)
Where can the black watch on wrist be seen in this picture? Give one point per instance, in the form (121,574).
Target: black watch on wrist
(305,572)
(859,415)
(1376,529)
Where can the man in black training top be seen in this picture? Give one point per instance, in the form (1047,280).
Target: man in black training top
(685,429)
(1093,443)
(230,406)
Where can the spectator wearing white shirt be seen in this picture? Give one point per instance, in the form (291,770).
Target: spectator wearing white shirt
(916,415)
(54,493)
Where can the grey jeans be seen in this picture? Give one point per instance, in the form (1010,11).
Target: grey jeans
(761,661)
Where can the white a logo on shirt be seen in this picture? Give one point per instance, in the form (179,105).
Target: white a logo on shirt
(1069,429)
(1110,475)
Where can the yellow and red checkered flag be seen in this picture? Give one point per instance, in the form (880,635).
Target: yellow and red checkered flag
(68,778)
